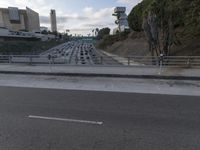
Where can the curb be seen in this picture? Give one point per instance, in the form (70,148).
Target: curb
(104,75)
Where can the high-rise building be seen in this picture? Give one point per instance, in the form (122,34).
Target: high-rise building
(16,19)
(122,19)
(53,21)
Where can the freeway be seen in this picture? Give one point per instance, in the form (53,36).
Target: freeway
(79,53)
(69,53)
(47,119)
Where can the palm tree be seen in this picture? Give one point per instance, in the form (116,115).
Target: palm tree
(93,32)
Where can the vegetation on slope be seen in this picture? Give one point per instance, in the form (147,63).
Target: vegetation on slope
(108,40)
(185,12)
(103,32)
(166,23)
(171,27)
(26,48)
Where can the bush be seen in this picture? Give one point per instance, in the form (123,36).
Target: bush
(103,32)
(111,39)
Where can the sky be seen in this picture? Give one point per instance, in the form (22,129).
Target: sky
(79,16)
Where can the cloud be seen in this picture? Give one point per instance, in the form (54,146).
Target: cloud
(88,20)
(61,19)
(99,25)
(130,2)
(77,18)
(88,10)
(44,19)
(80,29)
(102,13)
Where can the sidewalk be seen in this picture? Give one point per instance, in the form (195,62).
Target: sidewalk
(102,71)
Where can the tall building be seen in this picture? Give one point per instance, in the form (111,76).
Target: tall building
(16,19)
(53,21)
(122,19)
(33,20)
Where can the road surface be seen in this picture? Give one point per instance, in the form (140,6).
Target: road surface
(79,53)
(47,119)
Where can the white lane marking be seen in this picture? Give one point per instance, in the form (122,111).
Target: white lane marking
(66,120)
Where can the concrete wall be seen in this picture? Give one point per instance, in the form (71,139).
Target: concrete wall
(5,20)
(33,20)
(1,19)
(4,32)
(29,20)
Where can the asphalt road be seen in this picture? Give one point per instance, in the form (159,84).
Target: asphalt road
(83,120)
(75,53)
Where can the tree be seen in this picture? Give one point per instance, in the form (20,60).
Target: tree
(93,32)
(159,26)
(135,18)
(49,32)
(166,22)
(103,32)
(67,30)
(44,32)
(193,17)
(96,31)
(55,33)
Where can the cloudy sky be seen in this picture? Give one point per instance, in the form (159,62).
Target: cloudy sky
(79,16)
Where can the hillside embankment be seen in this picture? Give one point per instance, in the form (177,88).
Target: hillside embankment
(171,26)
(136,44)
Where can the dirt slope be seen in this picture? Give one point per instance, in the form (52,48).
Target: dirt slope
(137,45)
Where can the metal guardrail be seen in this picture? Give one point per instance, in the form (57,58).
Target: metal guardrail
(173,61)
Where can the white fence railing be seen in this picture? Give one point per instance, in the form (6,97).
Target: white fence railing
(173,61)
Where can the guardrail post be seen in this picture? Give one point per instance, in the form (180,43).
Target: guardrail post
(158,61)
(31,60)
(128,61)
(161,60)
(65,60)
(53,61)
(76,60)
(188,62)
(153,61)
(10,59)
(101,59)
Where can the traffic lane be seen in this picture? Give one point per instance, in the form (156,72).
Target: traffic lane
(146,121)
(107,106)
(40,134)
(140,128)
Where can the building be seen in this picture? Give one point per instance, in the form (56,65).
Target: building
(15,19)
(122,19)
(33,20)
(53,21)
